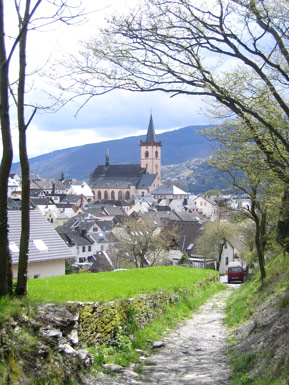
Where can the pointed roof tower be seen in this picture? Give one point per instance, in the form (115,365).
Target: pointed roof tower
(107,157)
(151,136)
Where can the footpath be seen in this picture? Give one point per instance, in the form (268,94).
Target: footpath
(194,353)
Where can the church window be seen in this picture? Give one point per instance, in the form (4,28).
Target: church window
(127,195)
(99,195)
(146,154)
(156,154)
(105,195)
(119,195)
(112,195)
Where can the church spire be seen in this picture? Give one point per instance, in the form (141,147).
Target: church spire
(107,157)
(151,136)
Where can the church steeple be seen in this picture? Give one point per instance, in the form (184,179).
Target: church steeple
(151,136)
(107,157)
(150,157)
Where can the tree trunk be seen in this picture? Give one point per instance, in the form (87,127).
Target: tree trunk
(21,288)
(5,167)
(282,231)
(220,251)
(259,237)
(260,251)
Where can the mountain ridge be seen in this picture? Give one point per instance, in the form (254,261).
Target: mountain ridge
(78,162)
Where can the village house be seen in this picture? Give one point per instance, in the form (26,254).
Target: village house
(14,188)
(232,252)
(169,192)
(206,206)
(86,236)
(47,251)
(82,189)
(58,216)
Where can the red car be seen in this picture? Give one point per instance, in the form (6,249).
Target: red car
(235,272)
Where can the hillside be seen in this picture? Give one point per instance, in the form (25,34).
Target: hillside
(259,345)
(178,146)
(195,176)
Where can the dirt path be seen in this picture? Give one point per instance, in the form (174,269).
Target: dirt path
(193,354)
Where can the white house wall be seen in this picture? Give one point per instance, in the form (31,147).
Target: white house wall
(43,269)
(227,257)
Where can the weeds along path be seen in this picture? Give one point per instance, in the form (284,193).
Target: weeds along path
(194,353)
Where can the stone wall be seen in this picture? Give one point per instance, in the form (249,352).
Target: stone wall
(100,323)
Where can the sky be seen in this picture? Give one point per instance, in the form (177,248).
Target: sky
(115,115)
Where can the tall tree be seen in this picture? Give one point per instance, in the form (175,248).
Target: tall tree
(232,51)
(243,164)
(5,261)
(58,11)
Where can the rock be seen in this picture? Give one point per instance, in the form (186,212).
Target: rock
(142,358)
(158,344)
(66,349)
(130,373)
(113,367)
(51,333)
(73,337)
(139,351)
(43,351)
(85,357)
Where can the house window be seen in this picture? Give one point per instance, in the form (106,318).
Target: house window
(101,247)
(225,247)
(78,250)
(83,249)
(89,248)
(13,247)
(51,220)
(40,245)
(36,276)
(227,260)
(146,154)
(205,203)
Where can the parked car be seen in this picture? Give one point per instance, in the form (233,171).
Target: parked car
(235,272)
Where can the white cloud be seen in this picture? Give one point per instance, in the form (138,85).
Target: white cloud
(111,116)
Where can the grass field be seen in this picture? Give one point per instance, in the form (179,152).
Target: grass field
(108,286)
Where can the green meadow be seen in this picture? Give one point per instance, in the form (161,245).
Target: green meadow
(108,286)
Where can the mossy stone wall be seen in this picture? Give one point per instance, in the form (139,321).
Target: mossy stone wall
(99,323)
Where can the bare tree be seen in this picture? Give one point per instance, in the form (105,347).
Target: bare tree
(143,243)
(5,261)
(25,13)
(234,52)
(211,243)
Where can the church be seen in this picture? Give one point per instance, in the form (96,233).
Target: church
(121,181)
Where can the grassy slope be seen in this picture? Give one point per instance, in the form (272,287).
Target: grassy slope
(104,287)
(100,287)
(243,306)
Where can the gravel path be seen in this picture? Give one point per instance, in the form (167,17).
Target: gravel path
(194,353)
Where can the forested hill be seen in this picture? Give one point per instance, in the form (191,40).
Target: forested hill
(78,162)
